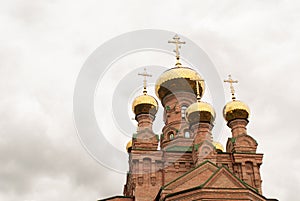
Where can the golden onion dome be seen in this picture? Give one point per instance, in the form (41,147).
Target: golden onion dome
(178,79)
(200,112)
(145,104)
(218,146)
(236,110)
(129,145)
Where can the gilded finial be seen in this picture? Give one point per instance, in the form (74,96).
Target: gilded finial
(177,42)
(145,74)
(197,86)
(231,81)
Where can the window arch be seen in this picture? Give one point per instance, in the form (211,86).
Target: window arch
(183,109)
(187,134)
(171,135)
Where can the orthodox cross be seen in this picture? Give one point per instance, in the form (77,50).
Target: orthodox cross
(197,80)
(231,82)
(145,74)
(177,42)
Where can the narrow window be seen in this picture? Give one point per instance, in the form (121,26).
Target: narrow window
(171,136)
(183,109)
(187,134)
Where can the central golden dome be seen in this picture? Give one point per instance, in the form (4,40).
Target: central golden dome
(178,79)
(145,104)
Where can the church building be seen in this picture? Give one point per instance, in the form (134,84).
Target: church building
(189,164)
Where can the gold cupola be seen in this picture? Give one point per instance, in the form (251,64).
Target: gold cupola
(145,104)
(178,78)
(129,146)
(200,111)
(218,146)
(235,109)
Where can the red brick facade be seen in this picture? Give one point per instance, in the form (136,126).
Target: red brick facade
(188,166)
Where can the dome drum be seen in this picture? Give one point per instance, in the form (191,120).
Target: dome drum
(177,85)
(201,116)
(145,109)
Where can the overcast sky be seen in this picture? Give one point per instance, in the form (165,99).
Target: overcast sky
(45,43)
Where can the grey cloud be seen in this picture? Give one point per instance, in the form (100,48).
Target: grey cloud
(40,155)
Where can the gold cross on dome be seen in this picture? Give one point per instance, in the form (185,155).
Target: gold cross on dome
(197,80)
(145,74)
(231,82)
(177,42)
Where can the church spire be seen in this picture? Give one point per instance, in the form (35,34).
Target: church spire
(145,74)
(235,109)
(145,104)
(177,42)
(236,112)
(231,82)
(144,107)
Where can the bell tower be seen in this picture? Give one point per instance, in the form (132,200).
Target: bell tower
(246,162)
(145,107)
(145,162)
(183,140)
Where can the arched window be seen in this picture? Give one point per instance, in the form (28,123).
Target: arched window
(183,109)
(187,134)
(249,173)
(171,135)
(147,164)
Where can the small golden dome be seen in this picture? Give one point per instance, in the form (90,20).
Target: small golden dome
(145,104)
(236,110)
(200,112)
(178,79)
(218,146)
(129,145)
